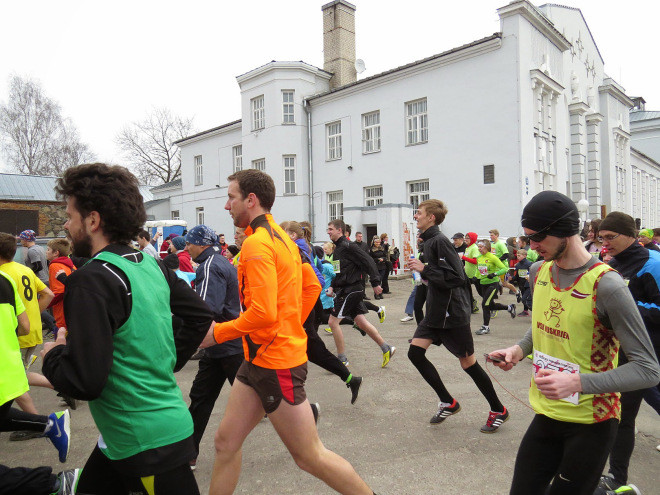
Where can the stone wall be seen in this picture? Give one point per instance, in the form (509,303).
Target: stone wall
(52,215)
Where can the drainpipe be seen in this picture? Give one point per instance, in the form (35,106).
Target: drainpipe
(310,172)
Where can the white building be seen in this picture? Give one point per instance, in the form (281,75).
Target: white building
(483,127)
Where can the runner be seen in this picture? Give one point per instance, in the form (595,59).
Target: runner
(121,350)
(277,296)
(577,410)
(447,319)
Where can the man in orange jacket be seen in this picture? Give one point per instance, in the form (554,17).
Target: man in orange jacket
(277,294)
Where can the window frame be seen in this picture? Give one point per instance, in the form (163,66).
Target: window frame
(257,110)
(288,107)
(371,137)
(373,199)
(237,158)
(418,195)
(259,164)
(420,121)
(289,167)
(175,217)
(333,141)
(488,172)
(199,215)
(335,204)
(199,170)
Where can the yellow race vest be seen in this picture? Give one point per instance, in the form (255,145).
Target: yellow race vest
(568,337)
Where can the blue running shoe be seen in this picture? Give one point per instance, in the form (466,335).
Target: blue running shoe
(59,432)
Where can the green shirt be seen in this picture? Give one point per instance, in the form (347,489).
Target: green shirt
(499,249)
(141,406)
(472,251)
(13,381)
(532,255)
(489,263)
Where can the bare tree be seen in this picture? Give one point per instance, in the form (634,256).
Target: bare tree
(149,145)
(37,139)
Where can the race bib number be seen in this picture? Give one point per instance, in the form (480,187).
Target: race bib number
(335,266)
(483,270)
(544,361)
(523,273)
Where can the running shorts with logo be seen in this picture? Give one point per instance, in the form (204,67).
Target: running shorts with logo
(457,340)
(349,302)
(275,386)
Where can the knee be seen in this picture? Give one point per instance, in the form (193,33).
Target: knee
(416,354)
(224,443)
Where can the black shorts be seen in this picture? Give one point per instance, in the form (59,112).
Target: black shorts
(349,303)
(273,386)
(457,340)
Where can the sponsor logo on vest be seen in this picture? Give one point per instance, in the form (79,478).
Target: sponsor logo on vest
(541,282)
(579,295)
(553,331)
(554,310)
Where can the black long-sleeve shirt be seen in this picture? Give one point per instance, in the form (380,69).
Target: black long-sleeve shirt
(353,261)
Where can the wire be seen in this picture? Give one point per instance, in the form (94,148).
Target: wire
(524,403)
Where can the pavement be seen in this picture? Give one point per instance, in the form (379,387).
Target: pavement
(386,435)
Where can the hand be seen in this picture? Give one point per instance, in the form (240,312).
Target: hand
(557,384)
(378,290)
(415,264)
(209,340)
(510,356)
(329,292)
(60,340)
(491,275)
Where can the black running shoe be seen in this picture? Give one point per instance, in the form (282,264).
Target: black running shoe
(354,385)
(444,411)
(494,421)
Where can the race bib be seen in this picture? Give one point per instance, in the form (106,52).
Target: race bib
(523,273)
(335,266)
(483,270)
(544,361)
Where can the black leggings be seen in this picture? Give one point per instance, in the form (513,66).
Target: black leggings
(12,419)
(571,455)
(317,352)
(26,481)
(488,304)
(100,477)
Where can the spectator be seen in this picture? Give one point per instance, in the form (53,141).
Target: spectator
(178,247)
(35,257)
(143,239)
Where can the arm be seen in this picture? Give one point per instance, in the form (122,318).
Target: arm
(500,267)
(310,290)
(364,261)
(469,260)
(45,297)
(649,308)
(23,324)
(443,269)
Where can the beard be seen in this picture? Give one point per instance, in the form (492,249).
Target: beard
(82,246)
(559,252)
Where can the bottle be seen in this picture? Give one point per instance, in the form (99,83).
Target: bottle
(417,277)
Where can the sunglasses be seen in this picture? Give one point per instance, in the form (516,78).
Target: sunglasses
(608,238)
(543,233)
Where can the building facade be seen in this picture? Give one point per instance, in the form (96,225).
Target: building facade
(483,127)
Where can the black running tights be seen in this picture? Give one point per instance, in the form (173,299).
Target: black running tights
(12,419)
(488,304)
(417,356)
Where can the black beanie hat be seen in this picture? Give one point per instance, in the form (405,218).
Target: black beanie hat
(550,208)
(620,223)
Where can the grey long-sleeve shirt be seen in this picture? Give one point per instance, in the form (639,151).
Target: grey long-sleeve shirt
(617,310)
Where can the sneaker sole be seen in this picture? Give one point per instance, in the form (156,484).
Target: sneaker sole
(498,426)
(392,351)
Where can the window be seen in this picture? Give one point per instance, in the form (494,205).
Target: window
(333,133)
(489,174)
(289,174)
(371,132)
(335,205)
(199,171)
(237,154)
(287,107)
(199,214)
(258,118)
(259,164)
(373,195)
(620,188)
(418,191)
(175,215)
(417,124)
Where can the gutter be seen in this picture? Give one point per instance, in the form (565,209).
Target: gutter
(310,172)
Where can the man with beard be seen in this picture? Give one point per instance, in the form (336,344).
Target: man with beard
(277,294)
(582,311)
(121,350)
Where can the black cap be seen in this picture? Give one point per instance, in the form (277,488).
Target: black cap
(551,212)
(458,235)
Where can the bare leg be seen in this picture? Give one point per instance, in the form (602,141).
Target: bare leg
(364,324)
(38,380)
(26,404)
(337,334)
(467,361)
(243,413)
(295,426)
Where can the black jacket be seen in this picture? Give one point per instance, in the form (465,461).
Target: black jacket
(353,261)
(447,302)
(377,255)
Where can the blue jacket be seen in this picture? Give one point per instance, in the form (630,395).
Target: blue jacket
(305,249)
(641,268)
(329,274)
(216,281)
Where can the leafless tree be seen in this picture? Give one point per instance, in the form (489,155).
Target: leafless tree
(36,139)
(149,146)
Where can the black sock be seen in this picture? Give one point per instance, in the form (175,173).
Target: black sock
(417,356)
(485,386)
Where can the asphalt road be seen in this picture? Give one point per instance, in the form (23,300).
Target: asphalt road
(386,435)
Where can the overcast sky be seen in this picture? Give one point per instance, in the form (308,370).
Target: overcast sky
(109,63)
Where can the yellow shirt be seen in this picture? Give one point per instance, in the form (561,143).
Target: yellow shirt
(13,381)
(29,286)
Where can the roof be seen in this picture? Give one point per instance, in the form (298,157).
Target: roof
(643,115)
(644,155)
(167,185)
(407,66)
(22,187)
(208,131)
(154,202)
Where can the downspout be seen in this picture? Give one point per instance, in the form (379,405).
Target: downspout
(310,172)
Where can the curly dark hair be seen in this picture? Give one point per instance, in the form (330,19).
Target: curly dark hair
(110,190)
(255,181)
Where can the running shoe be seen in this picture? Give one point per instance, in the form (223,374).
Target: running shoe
(406,318)
(198,355)
(354,385)
(625,490)
(494,421)
(444,411)
(68,401)
(475,307)
(355,325)
(59,432)
(524,313)
(33,358)
(519,296)
(512,310)
(512,292)
(328,330)
(193,463)
(483,330)
(607,482)
(316,411)
(493,314)
(68,481)
(381,313)
(19,436)
(388,355)
(343,360)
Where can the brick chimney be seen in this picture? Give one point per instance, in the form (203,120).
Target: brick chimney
(339,42)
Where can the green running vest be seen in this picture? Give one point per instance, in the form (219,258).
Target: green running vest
(141,406)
